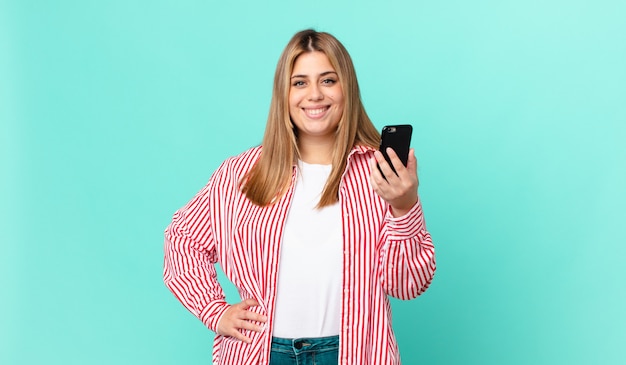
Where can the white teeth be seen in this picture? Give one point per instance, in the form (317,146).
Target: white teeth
(315,111)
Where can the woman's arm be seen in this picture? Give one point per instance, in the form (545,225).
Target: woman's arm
(189,270)
(190,257)
(407,256)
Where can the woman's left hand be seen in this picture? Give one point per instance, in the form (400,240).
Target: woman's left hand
(400,190)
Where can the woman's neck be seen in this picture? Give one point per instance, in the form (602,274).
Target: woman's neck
(317,151)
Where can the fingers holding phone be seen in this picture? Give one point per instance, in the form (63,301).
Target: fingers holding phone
(391,166)
(394,169)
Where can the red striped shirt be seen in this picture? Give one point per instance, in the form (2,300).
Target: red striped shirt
(383,256)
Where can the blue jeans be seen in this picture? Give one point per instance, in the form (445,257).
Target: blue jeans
(305,351)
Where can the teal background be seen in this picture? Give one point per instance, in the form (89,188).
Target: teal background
(114,113)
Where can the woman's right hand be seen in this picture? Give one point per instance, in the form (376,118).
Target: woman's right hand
(238,317)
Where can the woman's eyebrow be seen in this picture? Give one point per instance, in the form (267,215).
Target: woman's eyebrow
(322,74)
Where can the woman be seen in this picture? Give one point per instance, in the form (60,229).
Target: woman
(311,233)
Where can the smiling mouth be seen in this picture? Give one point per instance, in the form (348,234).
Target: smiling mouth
(315,112)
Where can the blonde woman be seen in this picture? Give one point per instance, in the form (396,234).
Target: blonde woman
(311,233)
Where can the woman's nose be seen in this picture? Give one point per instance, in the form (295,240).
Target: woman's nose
(315,93)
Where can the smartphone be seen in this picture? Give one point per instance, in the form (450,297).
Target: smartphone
(398,137)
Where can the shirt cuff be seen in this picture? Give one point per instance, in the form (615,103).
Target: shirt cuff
(408,225)
(212,314)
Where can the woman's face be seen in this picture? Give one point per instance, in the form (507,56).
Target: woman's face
(315,98)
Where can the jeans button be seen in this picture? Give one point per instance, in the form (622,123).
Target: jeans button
(298,345)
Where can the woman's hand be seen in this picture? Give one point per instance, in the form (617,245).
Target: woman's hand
(400,190)
(238,317)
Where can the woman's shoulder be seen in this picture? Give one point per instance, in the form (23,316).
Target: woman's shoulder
(248,156)
(362,149)
(360,153)
(239,165)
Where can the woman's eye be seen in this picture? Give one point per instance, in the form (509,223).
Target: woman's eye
(329,81)
(298,83)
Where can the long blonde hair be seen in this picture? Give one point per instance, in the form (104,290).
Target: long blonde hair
(271,176)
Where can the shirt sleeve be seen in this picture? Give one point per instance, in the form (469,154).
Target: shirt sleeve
(408,255)
(190,256)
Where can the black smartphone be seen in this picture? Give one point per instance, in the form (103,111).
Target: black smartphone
(398,137)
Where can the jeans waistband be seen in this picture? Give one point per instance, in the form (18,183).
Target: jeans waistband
(305,343)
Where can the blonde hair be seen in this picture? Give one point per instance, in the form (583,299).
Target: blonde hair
(271,176)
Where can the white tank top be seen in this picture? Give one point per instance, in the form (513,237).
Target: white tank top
(308,302)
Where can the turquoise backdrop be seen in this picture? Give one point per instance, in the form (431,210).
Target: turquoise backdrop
(114,113)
